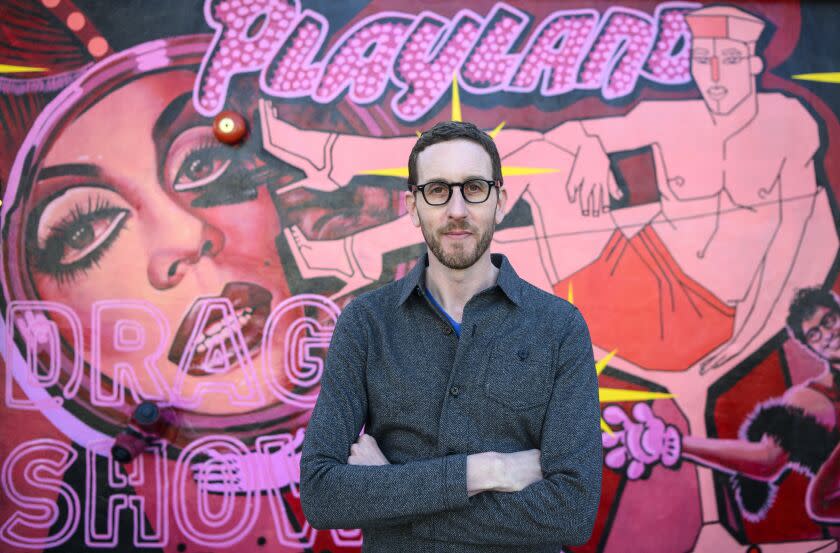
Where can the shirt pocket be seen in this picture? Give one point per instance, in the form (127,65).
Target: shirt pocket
(519,375)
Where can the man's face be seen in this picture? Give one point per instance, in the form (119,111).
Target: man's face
(457,233)
(822,333)
(724,72)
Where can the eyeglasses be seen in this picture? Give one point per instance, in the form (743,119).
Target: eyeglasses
(829,320)
(474,191)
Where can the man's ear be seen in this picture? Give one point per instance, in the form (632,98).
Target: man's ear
(756,65)
(501,203)
(411,206)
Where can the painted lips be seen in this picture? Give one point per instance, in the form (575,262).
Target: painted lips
(717,92)
(251,308)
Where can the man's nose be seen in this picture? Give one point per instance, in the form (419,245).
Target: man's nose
(715,69)
(456,207)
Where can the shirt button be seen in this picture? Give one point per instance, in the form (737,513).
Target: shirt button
(454,390)
(447,330)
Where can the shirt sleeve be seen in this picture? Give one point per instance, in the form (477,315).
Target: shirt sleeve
(337,495)
(561,508)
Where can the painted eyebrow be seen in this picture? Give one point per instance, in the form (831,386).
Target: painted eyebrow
(699,51)
(69,169)
(733,51)
(169,115)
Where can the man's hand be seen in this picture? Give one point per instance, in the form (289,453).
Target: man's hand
(520,470)
(490,471)
(366,452)
(502,472)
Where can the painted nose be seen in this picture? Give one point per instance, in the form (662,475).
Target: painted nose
(170,263)
(715,69)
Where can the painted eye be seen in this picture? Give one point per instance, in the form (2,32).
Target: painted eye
(84,236)
(732,60)
(701,59)
(200,168)
(80,240)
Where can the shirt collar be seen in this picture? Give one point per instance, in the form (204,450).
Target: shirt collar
(508,280)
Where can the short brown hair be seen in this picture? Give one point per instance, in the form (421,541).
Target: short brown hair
(454,130)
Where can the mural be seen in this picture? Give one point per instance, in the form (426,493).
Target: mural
(168,298)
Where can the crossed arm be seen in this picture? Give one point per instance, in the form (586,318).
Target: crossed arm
(433,496)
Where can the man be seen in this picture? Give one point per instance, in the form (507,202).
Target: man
(801,429)
(477,391)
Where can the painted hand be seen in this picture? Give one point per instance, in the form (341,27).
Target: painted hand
(253,472)
(591,181)
(366,452)
(641,443)
(723,355)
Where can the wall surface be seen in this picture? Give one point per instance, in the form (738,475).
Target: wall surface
(668,170)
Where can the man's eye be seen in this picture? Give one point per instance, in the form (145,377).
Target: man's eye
(436,189)
(474,186)
(200,168)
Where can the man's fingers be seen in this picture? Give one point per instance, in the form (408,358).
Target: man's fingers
(367,438)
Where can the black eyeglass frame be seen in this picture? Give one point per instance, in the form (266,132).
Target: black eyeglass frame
(460,185)
(815,335)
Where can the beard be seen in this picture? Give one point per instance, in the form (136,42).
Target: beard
(462,257)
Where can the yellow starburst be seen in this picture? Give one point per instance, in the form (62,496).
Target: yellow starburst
(819,77)
(4,68)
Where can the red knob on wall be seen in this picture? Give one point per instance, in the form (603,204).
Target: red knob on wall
(229,127)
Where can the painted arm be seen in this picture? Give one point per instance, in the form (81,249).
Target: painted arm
(762,460)
(591,182)
(639,443)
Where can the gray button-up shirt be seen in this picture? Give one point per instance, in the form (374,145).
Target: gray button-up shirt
(521,376)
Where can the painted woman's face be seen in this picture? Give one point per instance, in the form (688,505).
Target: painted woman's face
(136,199)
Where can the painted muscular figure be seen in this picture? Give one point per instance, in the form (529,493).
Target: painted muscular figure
(736,190)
